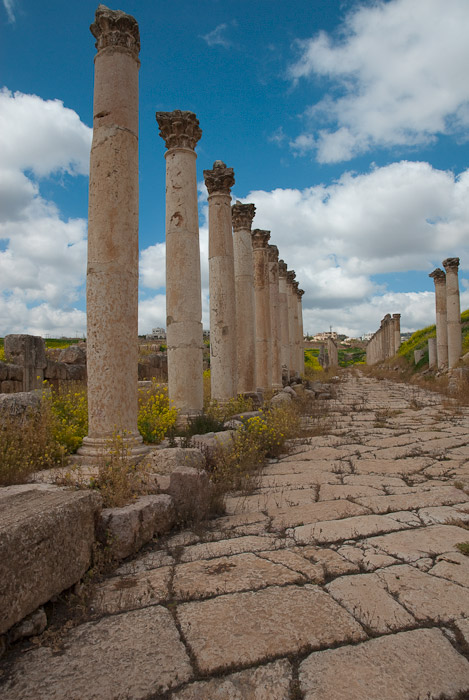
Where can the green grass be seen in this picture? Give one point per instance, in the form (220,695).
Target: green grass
(419,340)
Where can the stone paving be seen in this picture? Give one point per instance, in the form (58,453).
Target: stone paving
(338,578)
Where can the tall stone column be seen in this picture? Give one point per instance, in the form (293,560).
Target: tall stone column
(291,302)
(260,241)
(453,311)
(301,350)
(295,285)
(439,278)
(180,131)
(283,317)
(112,272)
(274,316)
(397,332)
(432,356)
(242,216)
(223,361)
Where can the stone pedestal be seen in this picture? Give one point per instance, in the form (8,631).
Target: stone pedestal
(453,311)
(260,241)
(112,273)
(242,216)
(439,278)
(180,131)
(432,356)
(274,316)
(29,352)
(292,309)
(223,361)
(283,316)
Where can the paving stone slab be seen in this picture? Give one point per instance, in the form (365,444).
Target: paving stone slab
(316,512)
(297,562)
(145,562)
(367,558)
(453,566)
(329,492)
(242,572)
(334,564)
(247,628)
(271,500)
(411,545)
(225,548)
(435,497)
(306,478)
(463,627)
(270,682)
(426,597)
(121,593)
(443,514)
(346,529)
(366,599)
(410,465)
(132,655)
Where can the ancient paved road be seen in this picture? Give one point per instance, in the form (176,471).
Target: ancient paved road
(339,578)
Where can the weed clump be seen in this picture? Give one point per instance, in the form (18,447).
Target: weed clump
(156,415)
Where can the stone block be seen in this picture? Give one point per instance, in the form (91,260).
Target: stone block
(281,398)
(3,371)
(73,355)
(27,350)
(190,489)
(164,461)
(19,403)
(125,530)
(46,540)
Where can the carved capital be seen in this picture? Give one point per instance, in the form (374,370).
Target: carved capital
(219,179)
(300,293)
(291,274)
(272,253)
(114,28)
(242,216)
(396,316)
(451,264)
(179,129)
(260,238)
(438,275)
(282,268)
(295,284)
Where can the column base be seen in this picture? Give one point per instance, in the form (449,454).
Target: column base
(93,449)
(183,419)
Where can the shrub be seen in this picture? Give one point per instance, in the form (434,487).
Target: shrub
(69,410)
(156,416)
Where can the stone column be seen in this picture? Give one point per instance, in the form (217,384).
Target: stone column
(283,318)
(432,356)
(301,349)
(223,360)
(112,273)
(291,302)
(453,311)
(295,285)
(397,332)
(180,131)
(274,316)
(439,278)
(260,241)
(242,216)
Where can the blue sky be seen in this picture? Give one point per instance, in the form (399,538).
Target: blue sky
(346,123)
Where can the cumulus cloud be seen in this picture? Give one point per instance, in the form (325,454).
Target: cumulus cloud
(42,256)
(396,74)
(400,218)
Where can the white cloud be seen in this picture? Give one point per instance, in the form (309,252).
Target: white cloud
(400,218)
(9,6)
(42,256)
(216,37)
(397,75)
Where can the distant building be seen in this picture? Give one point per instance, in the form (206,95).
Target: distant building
(320,337)
(157,334)
(367,336)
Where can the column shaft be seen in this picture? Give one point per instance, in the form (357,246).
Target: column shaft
(453,311)
(262,301)
(439,278)
(274,316)
(283,316)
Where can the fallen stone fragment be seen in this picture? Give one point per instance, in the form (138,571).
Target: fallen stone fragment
(247,628)
(133,655)
(404,666)
(271,682)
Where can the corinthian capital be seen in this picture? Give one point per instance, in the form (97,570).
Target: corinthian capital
(295,284)
(260,238)
(282,268)
(291,274)
(242,216)
(300,293)
(179,129)
(438,275)
(273,253)
(113,28)
(219,179)
(451,263)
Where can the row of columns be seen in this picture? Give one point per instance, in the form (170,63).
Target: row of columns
(448,316)
(385,343)
(255,303)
